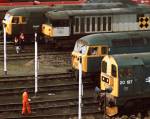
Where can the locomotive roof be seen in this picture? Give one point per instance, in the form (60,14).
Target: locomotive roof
(97,9)
(106,38)
(26,10)
(132,59)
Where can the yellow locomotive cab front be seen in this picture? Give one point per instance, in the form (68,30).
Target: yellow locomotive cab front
(11,23)
(7,21)
(75,60)
(47,30)
(109,78)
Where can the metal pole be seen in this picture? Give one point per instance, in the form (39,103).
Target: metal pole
(105,106)
(5,60)
(36,65)
(80,89)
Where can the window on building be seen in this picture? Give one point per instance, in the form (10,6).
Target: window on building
(104,66)
(113,70)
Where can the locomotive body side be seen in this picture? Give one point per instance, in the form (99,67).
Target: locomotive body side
(128,76)
(96,20)
(23,19)
(108,43)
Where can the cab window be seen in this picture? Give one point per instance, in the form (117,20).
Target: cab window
(113,70)
(15,20)
(23,19)
(104,66)
(93,51)
(104,50)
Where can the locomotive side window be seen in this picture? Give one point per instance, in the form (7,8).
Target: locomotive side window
(104,66)
(15,20)
(104,50)
(125,72)
(137,42)
(121,43)
(113,70)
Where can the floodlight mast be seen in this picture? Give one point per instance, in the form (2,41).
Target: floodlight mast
(80,89)
(35,27)
(5,51)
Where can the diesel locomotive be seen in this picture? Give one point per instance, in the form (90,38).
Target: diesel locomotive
(6,5)
(92,48)
(69,22)
(69,25)
(23,19)
(128,75)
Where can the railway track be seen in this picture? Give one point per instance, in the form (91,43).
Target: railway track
(57,97)
(28,56)
(29,48)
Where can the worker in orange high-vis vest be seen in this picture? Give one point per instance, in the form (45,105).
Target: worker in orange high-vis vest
(25,103)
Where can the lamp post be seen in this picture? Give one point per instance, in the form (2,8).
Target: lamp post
(35,27)
(5,60)
(80,89)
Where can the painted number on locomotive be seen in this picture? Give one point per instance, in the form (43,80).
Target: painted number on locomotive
(128,82)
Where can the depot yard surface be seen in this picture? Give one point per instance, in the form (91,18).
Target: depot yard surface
(47,65)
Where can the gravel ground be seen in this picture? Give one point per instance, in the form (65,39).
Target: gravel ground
(47,64)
